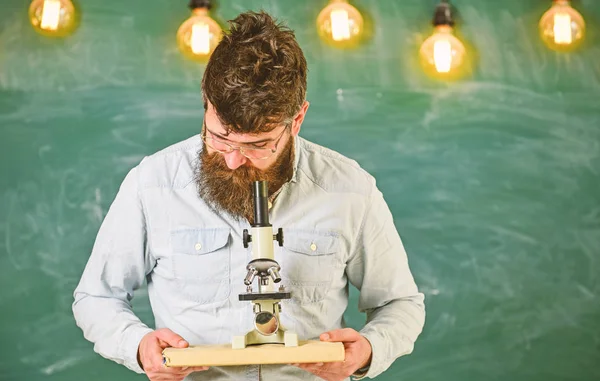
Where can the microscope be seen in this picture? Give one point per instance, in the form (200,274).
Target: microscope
(266,301)
(265,271)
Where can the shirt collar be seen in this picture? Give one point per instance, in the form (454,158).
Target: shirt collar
(297,142)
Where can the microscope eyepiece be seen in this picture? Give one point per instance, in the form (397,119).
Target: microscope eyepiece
(260,191)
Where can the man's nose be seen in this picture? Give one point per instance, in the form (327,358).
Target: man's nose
(235,159)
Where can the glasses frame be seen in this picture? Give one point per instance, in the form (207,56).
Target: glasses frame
(269,151)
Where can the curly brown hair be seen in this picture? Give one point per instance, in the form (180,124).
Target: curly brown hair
(256,76)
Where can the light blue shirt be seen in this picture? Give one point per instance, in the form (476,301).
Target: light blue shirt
(337,230)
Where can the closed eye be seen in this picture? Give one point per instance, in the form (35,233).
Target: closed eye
(262,145)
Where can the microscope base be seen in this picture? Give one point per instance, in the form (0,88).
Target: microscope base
(289,339)
(312,351)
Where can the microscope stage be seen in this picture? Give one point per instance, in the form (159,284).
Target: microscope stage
(264,296)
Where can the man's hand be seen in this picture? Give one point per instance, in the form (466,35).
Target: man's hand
(358,355)
(151,359)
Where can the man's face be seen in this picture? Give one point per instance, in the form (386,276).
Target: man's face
(277,138)
(225,179)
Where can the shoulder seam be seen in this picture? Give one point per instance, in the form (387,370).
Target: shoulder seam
(334,155)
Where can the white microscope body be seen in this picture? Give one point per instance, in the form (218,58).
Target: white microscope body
(263,267)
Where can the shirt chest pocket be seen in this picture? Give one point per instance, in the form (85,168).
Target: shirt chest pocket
(200,262)
(308,259)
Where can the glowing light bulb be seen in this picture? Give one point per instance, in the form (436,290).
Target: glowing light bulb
(50,14)
(199,35)
(442,54)
(340,24)
(340,28)
(562,28)
(55,18)
(200,38)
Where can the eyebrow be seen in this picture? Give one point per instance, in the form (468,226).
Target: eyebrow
(224,138)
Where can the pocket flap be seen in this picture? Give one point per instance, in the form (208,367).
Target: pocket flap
(199,241)
(311,242)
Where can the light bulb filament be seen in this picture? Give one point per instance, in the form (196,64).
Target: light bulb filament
(562,29)
(442,56)
(340,25)
(200,40)
(50,14)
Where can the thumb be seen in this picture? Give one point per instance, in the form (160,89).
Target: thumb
(171,338)
(341,335)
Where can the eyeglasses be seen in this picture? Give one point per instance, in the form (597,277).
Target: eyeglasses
(253,153)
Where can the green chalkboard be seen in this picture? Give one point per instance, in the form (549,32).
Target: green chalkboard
(494,181)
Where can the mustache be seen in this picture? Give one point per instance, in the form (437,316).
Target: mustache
(240,178)
(230,190)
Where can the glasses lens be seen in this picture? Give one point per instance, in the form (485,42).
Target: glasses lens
(217,145)
(258,154)
(250,153)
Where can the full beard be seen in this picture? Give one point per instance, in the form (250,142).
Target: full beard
(230,191)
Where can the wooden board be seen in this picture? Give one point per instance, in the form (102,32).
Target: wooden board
(311,351)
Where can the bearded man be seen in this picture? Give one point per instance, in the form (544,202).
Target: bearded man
(177,223)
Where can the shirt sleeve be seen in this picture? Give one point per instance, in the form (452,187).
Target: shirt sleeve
(117,266)
(379,269)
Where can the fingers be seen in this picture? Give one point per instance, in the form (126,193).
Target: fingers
(171,338)
(341,335)
(197,369)
(174,373)
(152,356)
(186,369)
(191,369)
(313,366)
(328,371)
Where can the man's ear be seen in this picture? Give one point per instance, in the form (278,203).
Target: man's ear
(299,118)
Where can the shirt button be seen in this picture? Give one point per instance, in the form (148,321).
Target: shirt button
(313,247)
(198,246)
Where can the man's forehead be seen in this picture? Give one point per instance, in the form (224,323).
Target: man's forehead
(213,124)
(218,129)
